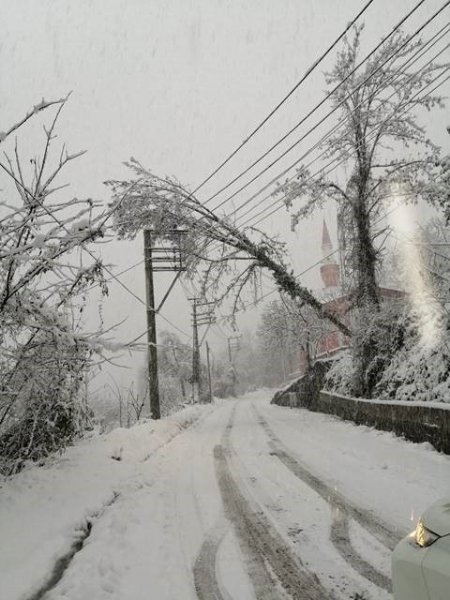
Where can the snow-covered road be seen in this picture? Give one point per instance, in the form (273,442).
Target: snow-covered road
(239,501)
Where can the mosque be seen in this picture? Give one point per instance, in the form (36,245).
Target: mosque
(336,297)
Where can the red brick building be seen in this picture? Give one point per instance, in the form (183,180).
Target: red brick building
(338,302)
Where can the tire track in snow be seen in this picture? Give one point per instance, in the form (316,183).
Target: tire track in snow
(205,575)
(205,578)
(273,568)
(340,537)
(63,563)
(365,518)
(342,509)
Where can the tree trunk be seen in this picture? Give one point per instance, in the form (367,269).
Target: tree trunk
(183,389)
(366,293)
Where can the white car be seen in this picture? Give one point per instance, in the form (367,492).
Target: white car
(421,561)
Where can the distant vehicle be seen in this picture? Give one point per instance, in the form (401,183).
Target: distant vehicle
(421,561)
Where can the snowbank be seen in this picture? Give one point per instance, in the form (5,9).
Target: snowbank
(45,510)
(139,442)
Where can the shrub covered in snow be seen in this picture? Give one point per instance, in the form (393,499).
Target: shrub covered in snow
(339,377)
(47,412)
(418,372)
(45,270)
(171,399)
(404,367)
(386,331)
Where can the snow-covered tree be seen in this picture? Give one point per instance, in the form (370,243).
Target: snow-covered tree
(437,192)
(433,244)
(46,268)
(383,145)
(175,370)
(225,258)
(279,343)
(249,371)
(417,370)
(288,330)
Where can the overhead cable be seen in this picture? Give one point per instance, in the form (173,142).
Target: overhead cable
(288,95)
(334,109)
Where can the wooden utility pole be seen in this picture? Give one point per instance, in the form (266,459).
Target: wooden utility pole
(233,344)
(158,258)
(202,314)
(152,354)
(195,355)
(181,380)
(208,364)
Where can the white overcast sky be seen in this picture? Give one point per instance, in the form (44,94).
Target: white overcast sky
(179,84)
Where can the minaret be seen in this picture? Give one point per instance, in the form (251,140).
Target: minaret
(329,270)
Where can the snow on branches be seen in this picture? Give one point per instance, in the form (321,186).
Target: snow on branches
(379,141)
(46,267)
(226,260)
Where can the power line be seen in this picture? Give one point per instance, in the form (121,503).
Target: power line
(279,207)
(411,60)
(417,56)
(288,95)
(331,254)
(278,200)
(220,330)
(339,160)
(245,141)
(195,292)
(127,289)
(141,262)
(372,74)
(310,267)
(315,264)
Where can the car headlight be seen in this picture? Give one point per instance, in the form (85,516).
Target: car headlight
(423,536)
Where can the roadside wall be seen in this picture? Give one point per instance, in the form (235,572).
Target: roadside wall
(303,392)
(417,422)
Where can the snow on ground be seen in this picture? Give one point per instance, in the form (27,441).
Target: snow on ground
(392,478)
(395,478)
(304,518)
(154,510)
(43,508)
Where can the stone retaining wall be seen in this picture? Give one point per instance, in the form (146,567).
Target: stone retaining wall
(416,422)
(303,392)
